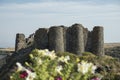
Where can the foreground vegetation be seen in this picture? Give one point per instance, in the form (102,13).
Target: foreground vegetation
(108,66)
(46,65)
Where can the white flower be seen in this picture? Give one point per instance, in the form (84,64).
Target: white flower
(48,53)
(31,75)
(39,61)
(52,56)
(82,68)
(93,69)
(20,67)
(61,59)
(41,52)
(64,59)
(58,69)
(85,67)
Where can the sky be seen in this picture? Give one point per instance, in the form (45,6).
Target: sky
(26,16)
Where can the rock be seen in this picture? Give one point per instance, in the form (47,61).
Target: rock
(113,51)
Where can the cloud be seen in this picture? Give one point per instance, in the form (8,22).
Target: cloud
(59,8)
(37,1)
(72,10)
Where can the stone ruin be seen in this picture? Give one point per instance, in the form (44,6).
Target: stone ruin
(74,39)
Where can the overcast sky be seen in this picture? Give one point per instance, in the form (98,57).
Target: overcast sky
(26,16)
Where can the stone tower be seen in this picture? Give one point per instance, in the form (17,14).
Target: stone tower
(20,42)
(56,39)
(98,41)
(75,39)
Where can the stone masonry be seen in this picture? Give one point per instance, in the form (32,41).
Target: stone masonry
(20,42)
(75,39)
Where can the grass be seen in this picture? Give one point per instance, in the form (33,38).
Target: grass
(109,67)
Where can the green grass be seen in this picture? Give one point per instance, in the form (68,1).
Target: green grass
(110,67)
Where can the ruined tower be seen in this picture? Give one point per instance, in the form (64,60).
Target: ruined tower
(98,41)
(41,38)
(75,39)
(56,39)
(20,42)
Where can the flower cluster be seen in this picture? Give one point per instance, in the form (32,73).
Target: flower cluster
(85,67)
(49,66)
(23,73)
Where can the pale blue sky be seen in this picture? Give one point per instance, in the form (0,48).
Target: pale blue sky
(26,16)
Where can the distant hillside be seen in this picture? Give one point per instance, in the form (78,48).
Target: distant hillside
(106,45)
(7,49)
(112,49)
(110,45)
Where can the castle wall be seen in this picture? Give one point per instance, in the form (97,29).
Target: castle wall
(75,39)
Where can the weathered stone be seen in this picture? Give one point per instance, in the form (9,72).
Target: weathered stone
(20,42)
(75,39)
(30,40)
(98,41)
(64,36)
(56,39)
(21,56)
(41,38)
(88,46)
(85,31)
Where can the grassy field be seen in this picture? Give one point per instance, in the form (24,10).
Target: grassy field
(7,49)
(110,45)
